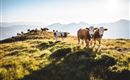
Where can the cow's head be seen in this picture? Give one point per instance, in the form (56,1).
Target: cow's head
(53,30)
(101,31)
(91,31)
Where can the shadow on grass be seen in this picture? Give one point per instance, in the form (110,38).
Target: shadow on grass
(78,65)
(13,39)
(60,53)
(46,45)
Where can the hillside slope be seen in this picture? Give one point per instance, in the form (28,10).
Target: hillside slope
(47,59)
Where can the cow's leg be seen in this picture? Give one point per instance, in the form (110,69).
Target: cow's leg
(78,40)
(62,37)
(99,40)
(90,42)
(82,42)
(87,43)
(56,38)
(94,42)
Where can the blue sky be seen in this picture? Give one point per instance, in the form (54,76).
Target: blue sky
(64,11)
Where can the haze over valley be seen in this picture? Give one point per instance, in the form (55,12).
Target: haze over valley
(118,29)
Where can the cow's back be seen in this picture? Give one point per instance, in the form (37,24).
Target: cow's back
(83,34)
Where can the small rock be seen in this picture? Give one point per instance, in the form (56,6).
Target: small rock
(119,49)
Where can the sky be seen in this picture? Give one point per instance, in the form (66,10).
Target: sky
(64,11)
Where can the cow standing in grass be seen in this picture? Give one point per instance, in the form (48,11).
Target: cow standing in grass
(98,34)
(18,34)
(90,34)
(83,34)
(44,29)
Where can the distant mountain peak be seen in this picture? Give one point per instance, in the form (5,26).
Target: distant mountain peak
(123,20)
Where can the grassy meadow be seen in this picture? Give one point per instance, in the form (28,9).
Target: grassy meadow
(34,57)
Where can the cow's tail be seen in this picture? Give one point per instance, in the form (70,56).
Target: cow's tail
(78,40)
(78,37)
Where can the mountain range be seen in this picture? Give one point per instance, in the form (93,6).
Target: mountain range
(118,29)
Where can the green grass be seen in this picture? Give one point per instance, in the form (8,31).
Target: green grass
(43,59)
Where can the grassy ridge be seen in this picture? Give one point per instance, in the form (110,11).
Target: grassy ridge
(45,59)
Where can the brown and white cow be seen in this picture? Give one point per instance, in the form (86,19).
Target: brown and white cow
(98,33)
(83,34)
(90,34)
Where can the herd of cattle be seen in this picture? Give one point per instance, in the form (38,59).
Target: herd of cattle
(60,34)
(89,35)
(32,31)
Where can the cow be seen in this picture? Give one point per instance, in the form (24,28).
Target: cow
(32,31)
(98,33)
(18,34)
(44,29)
(28,30)
(22,33)
(83,34)
(60,34)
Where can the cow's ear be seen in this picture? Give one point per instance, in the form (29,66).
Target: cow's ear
(95,28)
(105,29)
(87,28)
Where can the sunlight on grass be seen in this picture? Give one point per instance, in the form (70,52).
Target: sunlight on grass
(22,58)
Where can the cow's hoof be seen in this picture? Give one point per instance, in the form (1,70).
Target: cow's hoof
(86,47)
(78,47)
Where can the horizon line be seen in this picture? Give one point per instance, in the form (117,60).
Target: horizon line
(27,22)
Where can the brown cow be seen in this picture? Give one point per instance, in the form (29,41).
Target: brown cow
(18,34)
(44,29)
(22,33)
(84,35)
(28,30)
(98,33)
